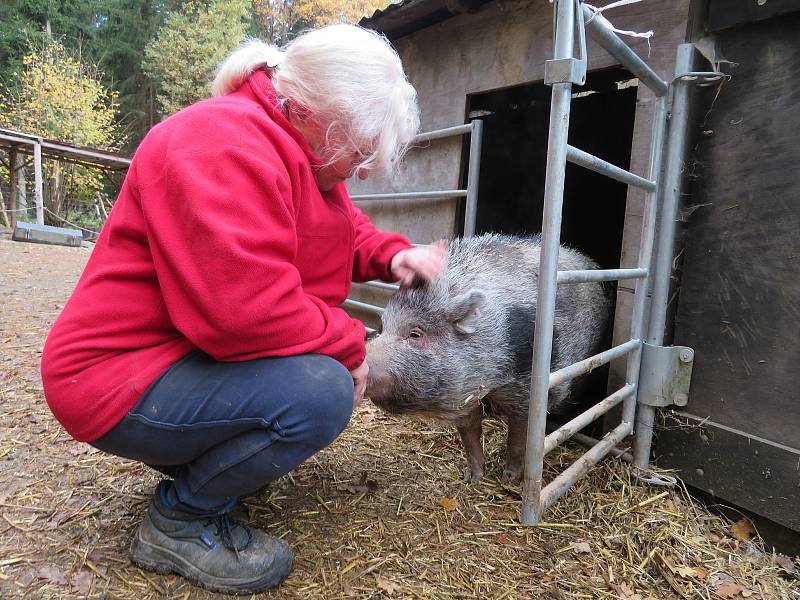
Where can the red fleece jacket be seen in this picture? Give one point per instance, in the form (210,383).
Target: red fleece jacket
(220,240)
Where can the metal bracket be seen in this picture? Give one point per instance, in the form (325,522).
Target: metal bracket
(666,373)
(564,70)
(702,78)
(569,70)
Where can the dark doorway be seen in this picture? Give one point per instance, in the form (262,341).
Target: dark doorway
(514,155)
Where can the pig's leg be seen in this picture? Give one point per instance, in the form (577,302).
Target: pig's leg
(470,430)
(515,448)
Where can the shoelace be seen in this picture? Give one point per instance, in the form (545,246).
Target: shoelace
(225,525)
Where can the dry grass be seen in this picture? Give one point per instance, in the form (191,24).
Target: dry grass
(382,513)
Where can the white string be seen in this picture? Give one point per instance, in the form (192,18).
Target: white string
(596,11)
(52,213)
(70,223)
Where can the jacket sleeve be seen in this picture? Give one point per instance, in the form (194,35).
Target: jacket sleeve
(221,230)
(374,249)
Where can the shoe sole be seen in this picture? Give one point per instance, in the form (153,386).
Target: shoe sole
(157,559)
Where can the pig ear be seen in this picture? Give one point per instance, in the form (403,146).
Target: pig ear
(466,309)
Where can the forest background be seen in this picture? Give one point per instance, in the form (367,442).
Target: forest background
(101,73)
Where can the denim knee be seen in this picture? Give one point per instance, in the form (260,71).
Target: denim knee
(329,412)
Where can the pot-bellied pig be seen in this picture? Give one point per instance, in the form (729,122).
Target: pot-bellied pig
(461,347)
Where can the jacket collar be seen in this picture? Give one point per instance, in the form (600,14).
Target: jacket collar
(260,86)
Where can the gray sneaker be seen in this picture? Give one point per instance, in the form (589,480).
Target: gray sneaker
(214,552)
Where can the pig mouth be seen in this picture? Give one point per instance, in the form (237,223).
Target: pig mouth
(390,405)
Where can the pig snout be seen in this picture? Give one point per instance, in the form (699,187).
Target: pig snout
(380,383)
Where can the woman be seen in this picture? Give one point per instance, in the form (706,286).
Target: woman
(204,335)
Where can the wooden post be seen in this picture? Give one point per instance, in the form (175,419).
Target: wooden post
(12,184)
(37,174)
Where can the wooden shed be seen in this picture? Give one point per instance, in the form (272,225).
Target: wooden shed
(736,297)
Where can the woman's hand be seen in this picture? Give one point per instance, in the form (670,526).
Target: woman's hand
(359,375)
(427,262)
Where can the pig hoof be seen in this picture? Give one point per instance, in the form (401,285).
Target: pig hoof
(511,474)
(472,475)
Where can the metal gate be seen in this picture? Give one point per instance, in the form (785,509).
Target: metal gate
(665,372)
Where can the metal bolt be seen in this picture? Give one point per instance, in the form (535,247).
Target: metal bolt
(685,355)
(699,472)
(681,399)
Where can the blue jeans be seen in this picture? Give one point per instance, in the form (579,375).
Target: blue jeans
(227,429)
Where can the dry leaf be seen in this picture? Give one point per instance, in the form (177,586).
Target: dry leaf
(506,540)
(743,530)
(386,585)
(747,593)
(727,589)
(448,504)
(83,582)
(52,574)
(623,589)
(347,589)
(547,578)
(363,486)
(582,548)
(96,556)
(786,563)
(701,573)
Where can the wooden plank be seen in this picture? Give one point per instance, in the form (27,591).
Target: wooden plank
(727,13)
(752,472)
(739,305)
(12,184)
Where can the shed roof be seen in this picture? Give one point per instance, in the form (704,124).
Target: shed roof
(83,155)
(403,17)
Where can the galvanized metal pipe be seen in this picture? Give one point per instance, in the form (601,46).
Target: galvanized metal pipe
(667,220)
(384,286)
(598,165)
(438,195)
(442,133)
(593,362)
(603,33)
(580,467)
(638,325)
(592,275)
(473,177)
(532,505)
(363,306)
(589,442)
(569,429)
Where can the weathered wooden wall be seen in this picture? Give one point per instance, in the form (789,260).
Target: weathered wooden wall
(739,302)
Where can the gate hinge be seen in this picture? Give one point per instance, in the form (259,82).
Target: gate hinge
(665,375)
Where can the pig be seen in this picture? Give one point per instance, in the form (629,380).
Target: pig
(461,347)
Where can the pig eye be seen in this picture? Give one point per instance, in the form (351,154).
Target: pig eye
(415,333)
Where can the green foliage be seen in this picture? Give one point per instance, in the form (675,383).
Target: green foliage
(25,22)
(184,56)
(125,29)
(60,95)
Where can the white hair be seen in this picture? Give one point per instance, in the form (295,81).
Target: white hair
(348,78)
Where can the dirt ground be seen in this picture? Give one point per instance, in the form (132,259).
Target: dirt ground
(382,513)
